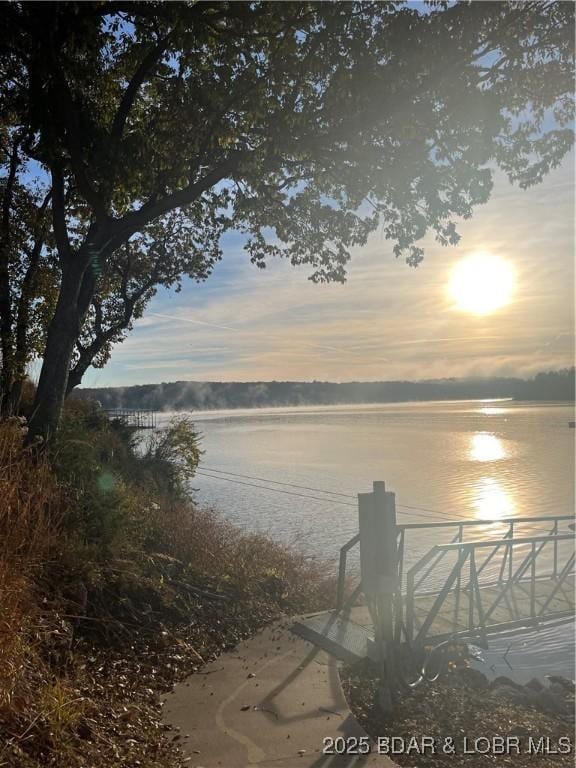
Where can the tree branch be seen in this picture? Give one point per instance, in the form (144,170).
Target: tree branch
(103,337)
(27,290)
(134,221)
(72,134)
(145,66)
(59,214)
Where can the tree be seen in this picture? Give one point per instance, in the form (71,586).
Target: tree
(303,125)
(28,278)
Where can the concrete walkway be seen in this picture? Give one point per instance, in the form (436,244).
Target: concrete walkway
(269,703)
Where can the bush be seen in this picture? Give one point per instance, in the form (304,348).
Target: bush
(171,457)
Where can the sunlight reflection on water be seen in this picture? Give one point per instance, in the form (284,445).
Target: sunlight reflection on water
(492,411)
(486,447)
(491,500)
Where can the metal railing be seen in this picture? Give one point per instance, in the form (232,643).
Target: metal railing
(479,613)
(509,543)
(341,584)
(512,524)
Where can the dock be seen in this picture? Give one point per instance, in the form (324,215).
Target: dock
(135,418)
(489,577)
(349,635)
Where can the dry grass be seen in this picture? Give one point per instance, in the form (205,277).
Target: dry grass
(30,507)
(151,566)
(246,562)
(31,504)
(29,501)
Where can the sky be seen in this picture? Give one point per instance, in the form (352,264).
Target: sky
(387,322)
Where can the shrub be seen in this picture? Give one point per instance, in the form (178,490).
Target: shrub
(245,563)
(171,457)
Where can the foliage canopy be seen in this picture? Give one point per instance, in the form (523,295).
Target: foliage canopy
(303,125)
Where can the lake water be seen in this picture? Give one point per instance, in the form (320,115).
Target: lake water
(294,473)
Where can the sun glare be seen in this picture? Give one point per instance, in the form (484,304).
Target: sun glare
(491,500)
(481,284)
(486,447)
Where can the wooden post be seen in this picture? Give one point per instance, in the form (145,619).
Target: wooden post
(379,568)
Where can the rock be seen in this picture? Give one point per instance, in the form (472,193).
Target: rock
(514,695)
(568,685)
(548,702)
(473,678)
(476,653)
(558,690)
(506,682)
(535,685)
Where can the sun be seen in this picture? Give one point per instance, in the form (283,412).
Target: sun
(482,283)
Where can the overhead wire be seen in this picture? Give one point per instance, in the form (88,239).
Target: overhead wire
(275,490)
(334,493)
(414,510)
(219,476)
(279,482)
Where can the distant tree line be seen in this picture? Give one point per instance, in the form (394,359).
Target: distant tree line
(209,395)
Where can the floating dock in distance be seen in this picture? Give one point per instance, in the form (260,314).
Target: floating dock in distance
(135,418)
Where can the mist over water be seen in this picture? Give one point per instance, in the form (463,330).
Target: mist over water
(475,459)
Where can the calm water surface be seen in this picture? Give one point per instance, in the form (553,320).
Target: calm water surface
(473,460)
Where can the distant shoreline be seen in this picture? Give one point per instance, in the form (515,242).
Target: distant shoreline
(553,387)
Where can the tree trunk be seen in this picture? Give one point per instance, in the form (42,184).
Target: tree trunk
(6,341)
(7,350)
(6,338)
(75,377)
(63,332)
(22,320)
(12,399)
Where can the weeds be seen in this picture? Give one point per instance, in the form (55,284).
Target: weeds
(113,584)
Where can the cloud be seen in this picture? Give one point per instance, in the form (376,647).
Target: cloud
(182,319)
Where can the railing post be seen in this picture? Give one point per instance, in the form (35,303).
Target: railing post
(341,580)
(555,533)
(473,583)
(510,568)
(410,607)
(459,579)
(400,555)
(399,607)
(533,582)
(379,569)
